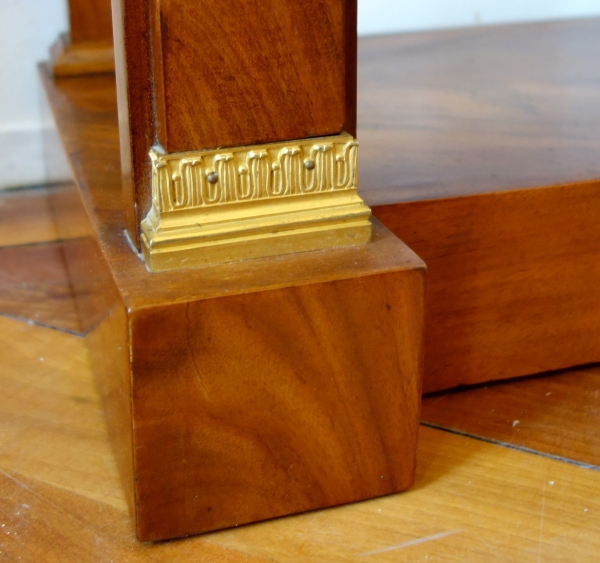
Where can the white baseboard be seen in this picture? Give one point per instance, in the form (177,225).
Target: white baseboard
(31,154)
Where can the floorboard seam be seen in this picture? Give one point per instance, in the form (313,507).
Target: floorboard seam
(44,186)
(512,446)
(42,325)
(57,241)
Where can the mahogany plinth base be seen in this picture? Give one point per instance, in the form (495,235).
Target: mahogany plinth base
(243,391)
(513,285)
(74,59)
(502,140)
(506,217)
(262,389)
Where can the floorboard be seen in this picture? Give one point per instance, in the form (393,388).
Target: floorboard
(556,414)
(26,217)
(34,286)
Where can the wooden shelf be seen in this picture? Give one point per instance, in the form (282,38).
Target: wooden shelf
(450,113)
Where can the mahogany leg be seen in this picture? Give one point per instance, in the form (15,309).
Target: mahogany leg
(266,358)
(88,46)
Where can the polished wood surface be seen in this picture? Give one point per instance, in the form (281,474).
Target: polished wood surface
(222,393)
(34,282)
(252,72)
(228,384)
(26,217)
(281,402)
(35,286)
(61,498)
(486,113)
(210,74)
(473,501)
(505,268)
(525,118)
(515,128)
(81,58)
(483,109)
(87,48)
(557,414)
(90,20)
(86,116)
(513,281)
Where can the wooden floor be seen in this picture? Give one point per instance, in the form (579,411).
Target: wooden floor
(507,472)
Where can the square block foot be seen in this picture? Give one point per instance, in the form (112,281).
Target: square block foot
(246,391)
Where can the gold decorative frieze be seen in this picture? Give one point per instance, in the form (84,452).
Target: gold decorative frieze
(236,203)
(191,180)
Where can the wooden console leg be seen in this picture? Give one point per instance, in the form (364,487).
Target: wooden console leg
(238,110)
(88,47)
(240,389)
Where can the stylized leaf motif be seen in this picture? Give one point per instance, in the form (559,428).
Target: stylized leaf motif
(224,166)
(345,166)
(289,172)
(259,170)
(190,171)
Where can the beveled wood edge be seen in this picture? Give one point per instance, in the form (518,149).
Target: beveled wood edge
(385,253)
(77,59)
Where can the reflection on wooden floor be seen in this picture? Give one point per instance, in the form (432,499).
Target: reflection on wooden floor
(507,472)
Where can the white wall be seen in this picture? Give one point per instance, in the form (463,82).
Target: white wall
(385,16)
(28,27)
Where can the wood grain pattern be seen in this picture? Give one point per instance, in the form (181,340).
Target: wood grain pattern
(86,116)
(469,243)
(70,219)
(248,72)
(53,428)
(277,402)
(45,523)
(78,59)
(471,502)
(540,127)
(557,414)
(25,217)
(347,338)
(60,497)
(249,390)
(508,505)
(137,127)
(87,48)
(485,109)
(512,286)
(90,20)
(210,74)
(35,286)
(513,282)
(87,273)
